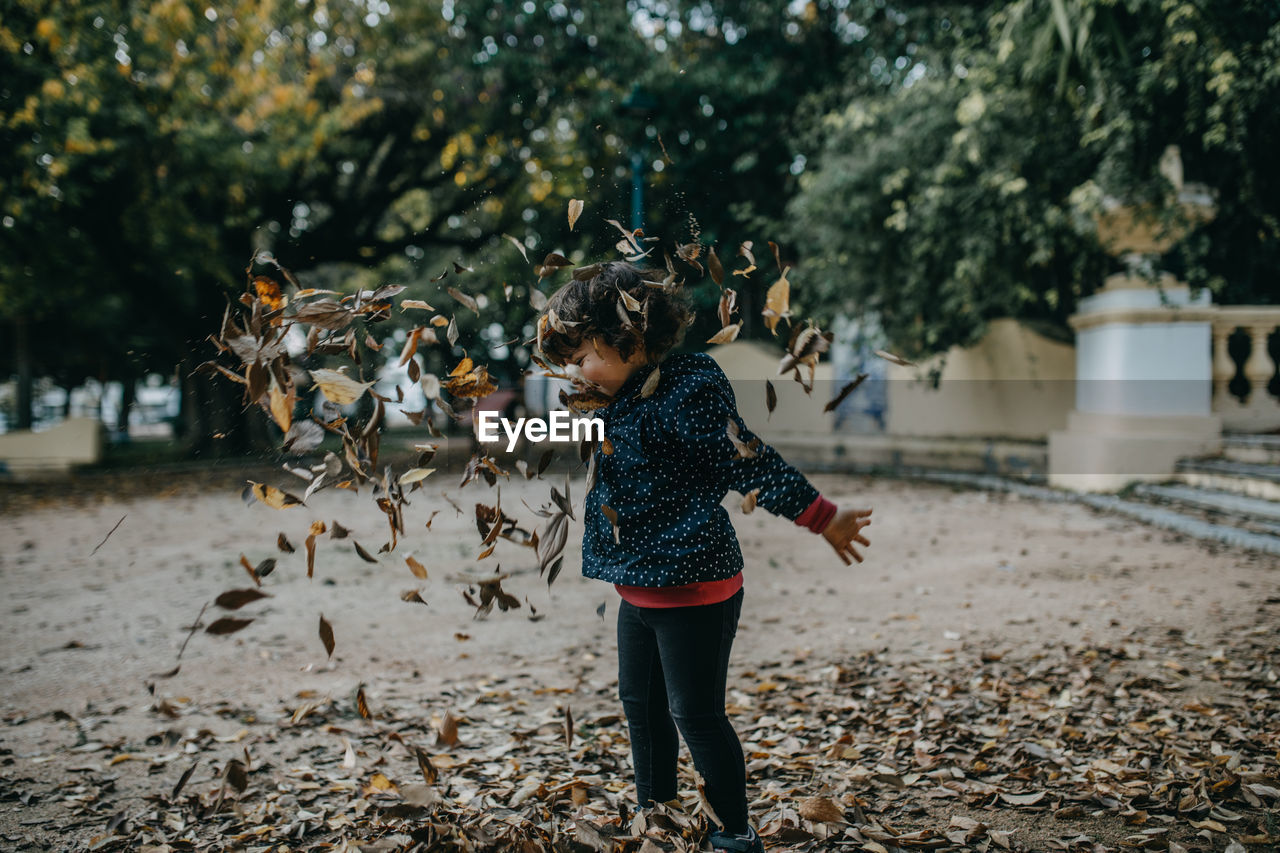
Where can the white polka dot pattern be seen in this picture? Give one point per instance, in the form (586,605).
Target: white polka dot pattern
(671,467)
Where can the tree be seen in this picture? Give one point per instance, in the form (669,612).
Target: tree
(964,198)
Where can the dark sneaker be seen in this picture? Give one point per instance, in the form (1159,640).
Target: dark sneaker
(723,842)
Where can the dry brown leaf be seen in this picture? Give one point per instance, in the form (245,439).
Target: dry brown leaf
(326,635)
(727,334)
(419,570)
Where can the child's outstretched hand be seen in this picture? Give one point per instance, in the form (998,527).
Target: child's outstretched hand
(845,529)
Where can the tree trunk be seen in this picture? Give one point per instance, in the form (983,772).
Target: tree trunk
(26,381)
(128,393)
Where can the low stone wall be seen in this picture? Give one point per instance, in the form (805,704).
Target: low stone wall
(57,450)
(1026,460)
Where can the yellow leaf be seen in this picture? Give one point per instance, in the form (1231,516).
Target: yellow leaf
(413,475)
(273,497)
(282,407)
(777,302)
(380,782)
(727,334)
(338,387)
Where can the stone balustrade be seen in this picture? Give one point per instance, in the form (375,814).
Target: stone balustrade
(1246,390)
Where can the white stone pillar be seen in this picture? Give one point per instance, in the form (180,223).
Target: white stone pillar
(1144,385)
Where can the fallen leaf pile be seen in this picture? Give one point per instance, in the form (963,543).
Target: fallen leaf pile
(1156,743)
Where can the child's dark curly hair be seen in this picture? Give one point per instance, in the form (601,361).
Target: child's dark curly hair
(594,308)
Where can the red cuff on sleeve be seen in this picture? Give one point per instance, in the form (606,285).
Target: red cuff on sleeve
(818,515)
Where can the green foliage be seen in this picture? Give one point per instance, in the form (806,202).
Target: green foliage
(963,198)
(942,208)
(150,146)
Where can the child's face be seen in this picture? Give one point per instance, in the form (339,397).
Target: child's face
(603,365)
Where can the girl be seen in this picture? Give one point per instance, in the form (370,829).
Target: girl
(675,446)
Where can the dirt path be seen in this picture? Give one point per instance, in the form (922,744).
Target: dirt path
(949,573)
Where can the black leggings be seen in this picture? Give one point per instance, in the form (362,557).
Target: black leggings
(672,666)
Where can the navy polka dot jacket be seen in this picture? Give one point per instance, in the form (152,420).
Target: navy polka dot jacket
(672,465)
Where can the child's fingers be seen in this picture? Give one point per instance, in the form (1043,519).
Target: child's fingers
(861,540)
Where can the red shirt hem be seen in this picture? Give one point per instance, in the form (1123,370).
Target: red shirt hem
(687,595)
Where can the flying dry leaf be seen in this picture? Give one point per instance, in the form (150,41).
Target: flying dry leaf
(412,596)
(727,334)
(611,514)
(406,304)
(519,245)
(226,625)
(271,496)
(339,387)
(362,704)
(364,555)
(415,475)
(234,599)
(575,210)
(252,572)
(428,770)
(311,554)
(419,570)
(845,392)
(326,635)
(183,779)
(628,237)
(777,302)
(281,406)
(568,726)
(451,333)
(410,346)
(630,301)
(716,268)
(770,396)
(303,437)
(553,571)
(447,733)
(894,359)
(467,300)
(283,543)
(552,262)
(745,450)
(268,291)
(728,305)
(651,382)
(325,314)
(237,775)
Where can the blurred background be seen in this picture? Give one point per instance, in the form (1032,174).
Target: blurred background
(947,180)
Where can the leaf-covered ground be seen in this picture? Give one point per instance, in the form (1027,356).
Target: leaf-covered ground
(1000,674)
